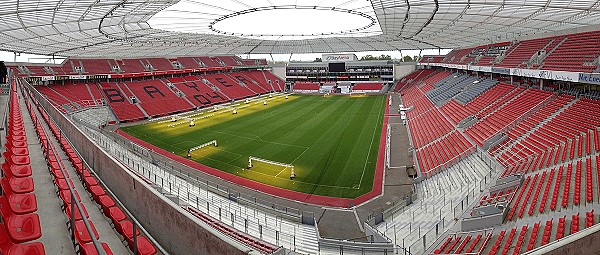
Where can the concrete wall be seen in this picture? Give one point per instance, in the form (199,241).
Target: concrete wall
(176,230)
(477,223)
(402,70)
(279,71)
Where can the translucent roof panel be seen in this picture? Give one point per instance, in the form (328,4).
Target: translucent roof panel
(135,28)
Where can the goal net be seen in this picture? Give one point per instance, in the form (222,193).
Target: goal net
(213,142)
(358,94)
(266,161)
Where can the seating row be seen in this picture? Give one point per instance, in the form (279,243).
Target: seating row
(73,66)
(107,205)
(457,112)
(18,205)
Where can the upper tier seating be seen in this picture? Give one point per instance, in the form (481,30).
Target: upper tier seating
(522,51)
(97,66)
(209,61)
(231,60)
(130,66)
(578,52)
(133,66)
(189,62)
(575,53)
(456,56)
(160,64)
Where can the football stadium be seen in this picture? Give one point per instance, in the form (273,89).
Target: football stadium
(299,127)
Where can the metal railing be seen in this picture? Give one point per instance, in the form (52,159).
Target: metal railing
(178,170)
(231,209)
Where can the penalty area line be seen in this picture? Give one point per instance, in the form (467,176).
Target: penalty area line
(293,161)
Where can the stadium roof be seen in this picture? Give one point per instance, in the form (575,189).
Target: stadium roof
(126,28)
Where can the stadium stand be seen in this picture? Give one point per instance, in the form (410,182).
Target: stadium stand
(227,86)
(306,87)
(133,66)
(121,103)
(189,62)
(449,88)
(577,53)
(251,84)
(557,138)
(550,137)
(416,76)
(520,52)
(266,80)
(135,100)
(21,225)
(156,98)
(209,61)
(72,95)
(231,60)
(496,120)
(472,91)
(61,171)
(160,64)
(367,87)
(96,66)
(437,144)
(197,92)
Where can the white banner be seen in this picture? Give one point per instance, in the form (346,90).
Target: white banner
(481,68)
(339,57)
(565,76)
(77,77)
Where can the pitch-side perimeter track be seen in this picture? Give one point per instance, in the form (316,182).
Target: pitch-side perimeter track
(284,193)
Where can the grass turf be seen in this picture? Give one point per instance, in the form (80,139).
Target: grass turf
(331,141)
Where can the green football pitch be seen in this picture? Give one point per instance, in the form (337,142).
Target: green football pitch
(332,142)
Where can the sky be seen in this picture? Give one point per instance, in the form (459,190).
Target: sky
(284,23)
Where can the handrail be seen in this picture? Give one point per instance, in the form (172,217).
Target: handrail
(115,198)
(6,107)
(74,200)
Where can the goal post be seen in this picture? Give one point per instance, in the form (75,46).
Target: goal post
(213,142)
(251,158)
(358,94)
